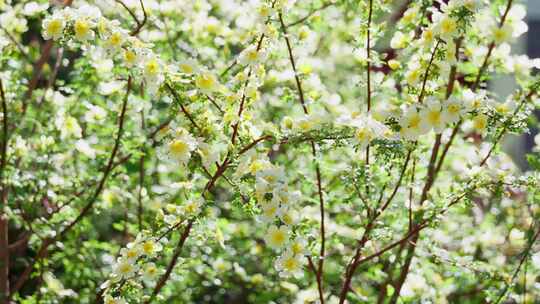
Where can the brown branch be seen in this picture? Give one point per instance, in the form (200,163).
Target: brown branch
(172,263)
(38,68)
(42,252)
(433,169)
(242,101)
(317,168)
(353,264)
(491,47)
(426,74)
(254,143)
(368,51)
(317,276)
(313,12)
(232,65)
(21,242)
(139,195)
(110,163)
(139,23)
(184,110)
(52,78)
(163,279)
(4,223)
(213,101)
(521,261)
(19,46)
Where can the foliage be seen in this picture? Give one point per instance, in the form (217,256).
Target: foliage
(269,151)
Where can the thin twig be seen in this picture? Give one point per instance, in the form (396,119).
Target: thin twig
(317,167)
(47,242)
(313,12)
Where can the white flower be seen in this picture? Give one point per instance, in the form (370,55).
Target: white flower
(506,107)
(131,253)
(181,146)
(472,5)
(432,116)
(410,14)
(209,154)
(516,237)
(33,8)
(414,73)
(221,265)
(150,247)
(427,37)
(473,101)
(535,258)
(289,216)
(150,272)
(270,210)
(69,127)
(94,114)
(53,27)
(251,55)
(110,87)
(20,146)
(445,26)
(450,53)
(264,11)
(515,18)
(453,109)
(4,42)
(400,40)
(124,268)
(84,147)
(152,68)
(299,246)
(289,264)
(480,123)
(501,34)
(268,178)
(207,82)
(537,142)
(191,207)
(411,124)
(286,197)
(83,29)
(188,66)
(113,300)
(89,12)
(367,129)
(130,57)
(305,123)
(115,40)
(277,237)
(415,284)
(171,219)
(521,65)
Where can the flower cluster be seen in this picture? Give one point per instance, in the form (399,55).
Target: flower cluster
(134,263)
(276,202)
(86,24)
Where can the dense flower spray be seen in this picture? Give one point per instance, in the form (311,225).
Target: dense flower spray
(266,151)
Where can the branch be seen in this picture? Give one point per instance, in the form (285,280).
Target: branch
(4,224)
(184,110)
(313,12)
(47,242)
(516,272)
(140,24)
(163,279)
(314,154)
